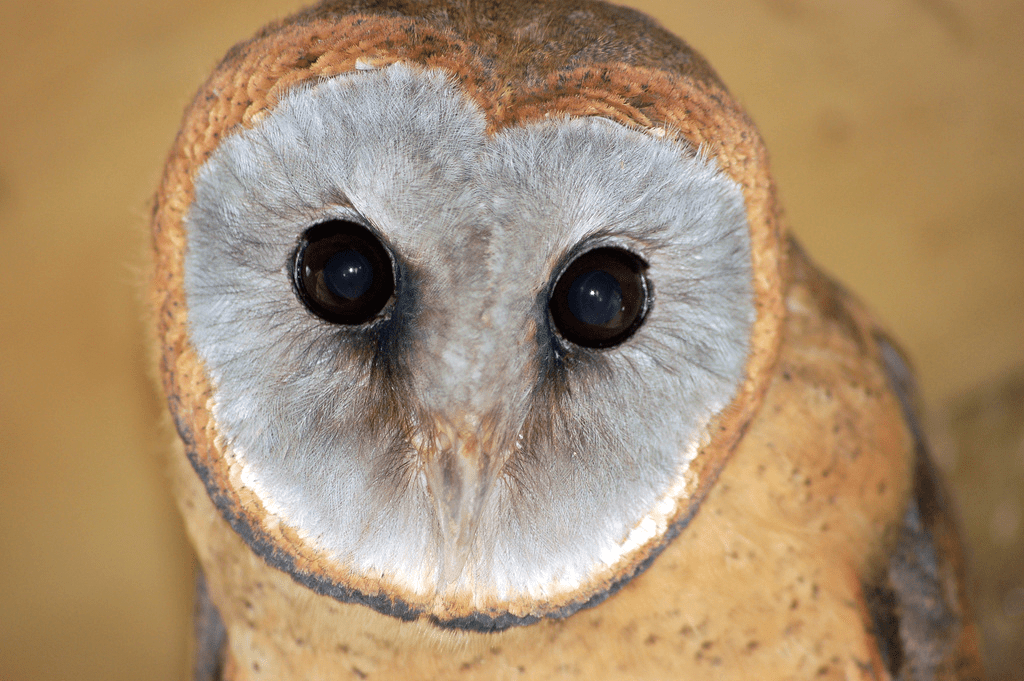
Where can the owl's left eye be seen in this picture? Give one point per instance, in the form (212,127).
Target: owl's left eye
(343,273)
(601,298)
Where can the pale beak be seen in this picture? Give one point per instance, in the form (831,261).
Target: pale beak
(461,465)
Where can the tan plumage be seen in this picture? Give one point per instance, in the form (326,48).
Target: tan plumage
(808,537)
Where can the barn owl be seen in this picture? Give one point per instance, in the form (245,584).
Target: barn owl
(491,357)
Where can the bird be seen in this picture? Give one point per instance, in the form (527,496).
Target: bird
(491,355)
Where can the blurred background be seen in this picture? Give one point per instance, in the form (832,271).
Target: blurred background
(896,129)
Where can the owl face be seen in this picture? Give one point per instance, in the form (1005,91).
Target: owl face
(445,367)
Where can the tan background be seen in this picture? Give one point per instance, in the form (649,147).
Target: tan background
(897,134)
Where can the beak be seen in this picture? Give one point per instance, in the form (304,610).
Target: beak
(461,465)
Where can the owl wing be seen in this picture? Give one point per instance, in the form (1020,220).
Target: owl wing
(210,640)
(919,606)
(917,601)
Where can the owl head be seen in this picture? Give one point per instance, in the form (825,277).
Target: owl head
(463,307)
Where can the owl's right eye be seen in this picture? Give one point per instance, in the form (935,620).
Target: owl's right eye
(343,273)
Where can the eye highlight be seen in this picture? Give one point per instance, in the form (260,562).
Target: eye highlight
(601,298)
(343,273)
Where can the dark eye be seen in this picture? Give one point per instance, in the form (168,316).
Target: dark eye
(601,298)
(343,273)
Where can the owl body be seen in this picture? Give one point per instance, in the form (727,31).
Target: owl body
(491,358)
